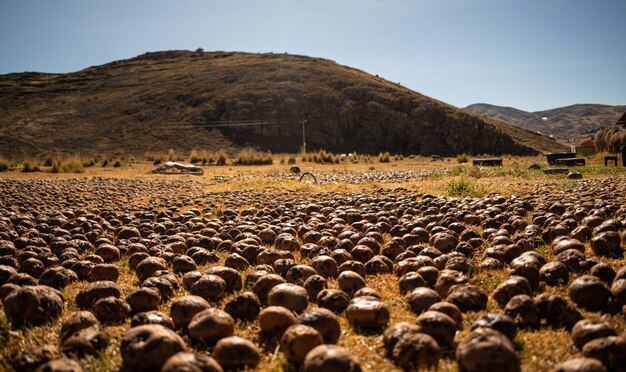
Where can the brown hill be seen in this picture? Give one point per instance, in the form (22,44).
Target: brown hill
(182,100)
(564,123)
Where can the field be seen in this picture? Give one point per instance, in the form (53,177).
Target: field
(238,216)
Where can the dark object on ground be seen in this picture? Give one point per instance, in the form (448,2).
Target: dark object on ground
(177,168)
(556,171)
(553,157)
(488,162)
(570,161)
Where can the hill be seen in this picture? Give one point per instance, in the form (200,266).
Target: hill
(182,100)
(564,123)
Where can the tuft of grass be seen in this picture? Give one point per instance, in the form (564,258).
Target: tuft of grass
(29,167)
(383,157)
(220,157)
(171,155)
(321,157)
(194,157)
(462,187)
(250,156)
(462,158)
(48,162)
(117,164)
(4,165)
(73,165)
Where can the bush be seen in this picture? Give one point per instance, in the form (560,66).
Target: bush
(117,164)
(157,161)
(105,162)
(48,162)
(291,160)
(462,158)
(383,157)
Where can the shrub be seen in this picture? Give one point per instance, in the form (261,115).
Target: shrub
(383,157)
(48,162)
(157,161)
(117,164)
(462,158)
(291,160)
(105,162)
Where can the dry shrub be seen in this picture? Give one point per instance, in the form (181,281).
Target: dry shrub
(383,157)
(117,164)
(462,158)
(250,156)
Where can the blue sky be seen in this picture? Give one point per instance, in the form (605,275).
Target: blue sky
(528,54)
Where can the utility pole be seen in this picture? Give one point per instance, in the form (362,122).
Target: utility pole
(303,122)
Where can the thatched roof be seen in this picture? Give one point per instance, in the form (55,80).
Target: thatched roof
(622,121)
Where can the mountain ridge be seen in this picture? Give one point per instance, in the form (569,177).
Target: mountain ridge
(168,99)
(568,123)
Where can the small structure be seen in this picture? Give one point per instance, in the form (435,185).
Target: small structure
(610,158)
(488,162)
(171,167)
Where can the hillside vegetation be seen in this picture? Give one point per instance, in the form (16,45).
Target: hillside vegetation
(574,122)
(180,99)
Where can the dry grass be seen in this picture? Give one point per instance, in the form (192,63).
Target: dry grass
(540,349)
(249,156)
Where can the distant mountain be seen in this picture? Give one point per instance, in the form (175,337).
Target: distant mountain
(564,123)
(208,100)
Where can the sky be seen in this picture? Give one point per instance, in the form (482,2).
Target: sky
(528,54)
